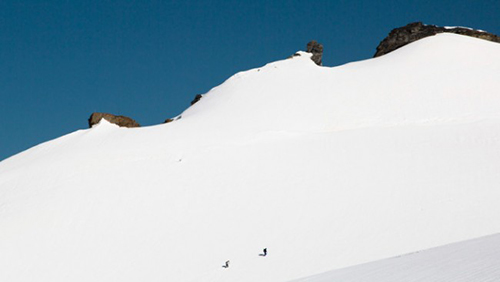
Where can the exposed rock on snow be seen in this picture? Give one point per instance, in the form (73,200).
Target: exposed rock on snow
(317,50)
(122,121)
(411,32)
(196,99)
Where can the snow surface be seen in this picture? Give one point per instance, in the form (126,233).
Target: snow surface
(453,27)
(325,167)
(470,261)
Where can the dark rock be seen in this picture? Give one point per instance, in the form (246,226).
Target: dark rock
(474,33)
(122,121)
(168,120)
(196,99)
(401,36)
(317,50)
(412,32)
(294,55)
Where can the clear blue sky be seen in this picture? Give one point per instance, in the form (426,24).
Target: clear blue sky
(62,60)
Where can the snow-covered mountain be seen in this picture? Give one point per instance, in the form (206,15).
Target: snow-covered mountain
(325,167)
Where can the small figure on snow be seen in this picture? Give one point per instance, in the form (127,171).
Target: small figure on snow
(226,265)
(264,253)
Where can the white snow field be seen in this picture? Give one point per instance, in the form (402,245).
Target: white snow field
(325,167)
(475,260)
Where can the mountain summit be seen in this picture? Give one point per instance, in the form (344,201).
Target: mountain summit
(412,32)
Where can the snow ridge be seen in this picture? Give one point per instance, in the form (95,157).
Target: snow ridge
(472,260)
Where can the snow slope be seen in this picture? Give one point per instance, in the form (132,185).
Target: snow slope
(326,167)
(469,261)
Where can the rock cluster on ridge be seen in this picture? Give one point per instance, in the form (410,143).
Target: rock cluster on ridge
(122,121)
(196,99)
(317,50)
(411,32)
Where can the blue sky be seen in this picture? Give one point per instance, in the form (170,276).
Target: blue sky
(62,60)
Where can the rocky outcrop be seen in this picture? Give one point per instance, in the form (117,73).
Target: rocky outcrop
(412,32)
(196,99)
(317,52)
(122,121)
(168,120)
